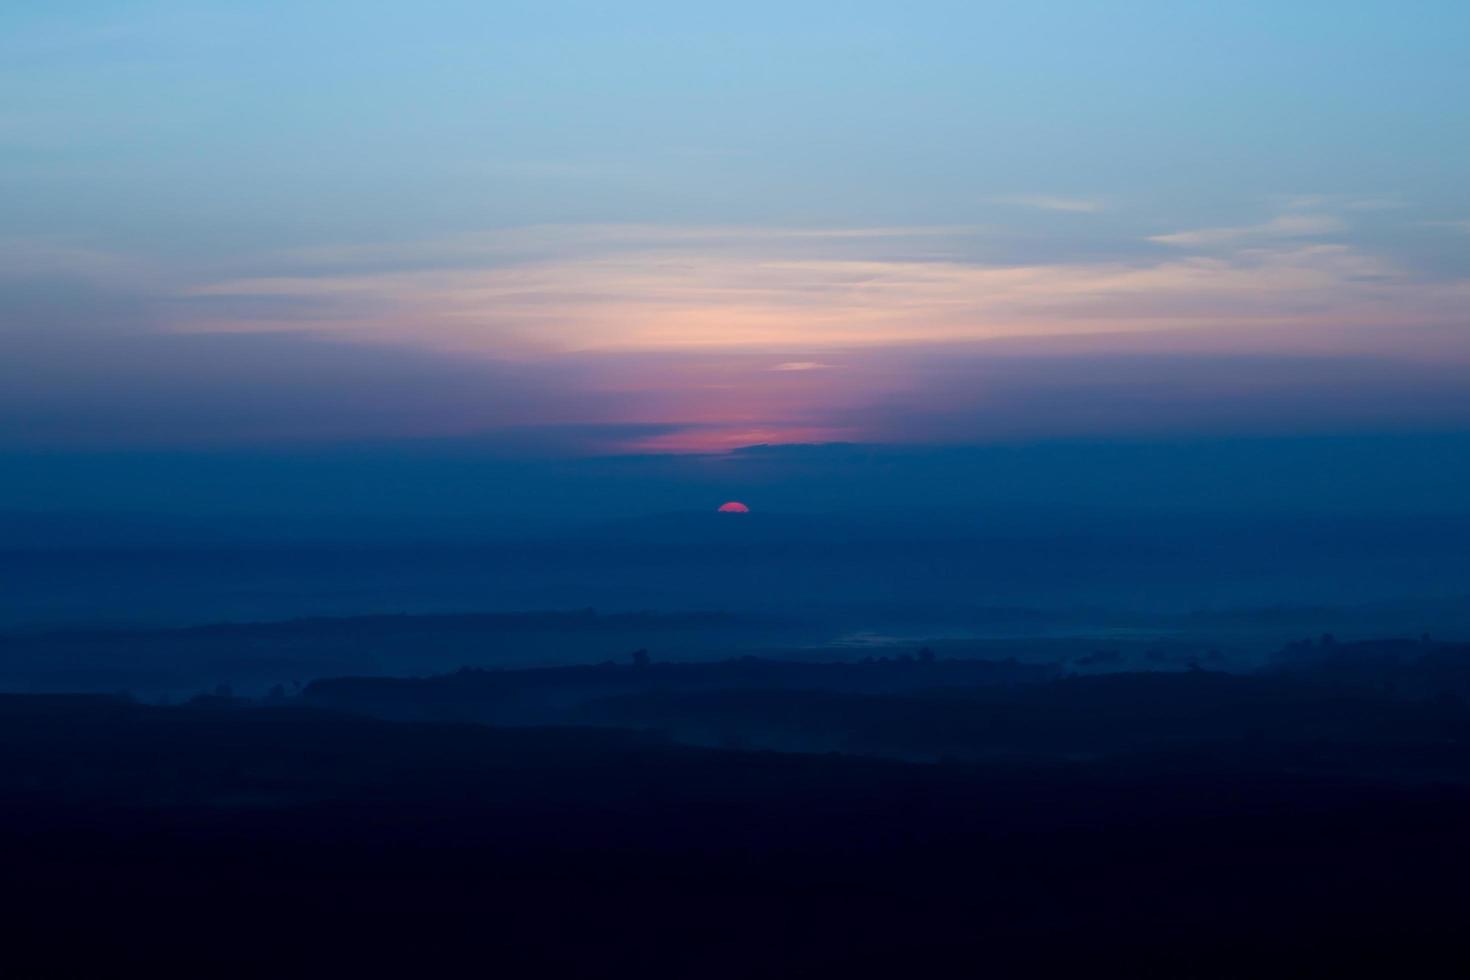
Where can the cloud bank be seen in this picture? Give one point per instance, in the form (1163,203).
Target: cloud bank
(608,338)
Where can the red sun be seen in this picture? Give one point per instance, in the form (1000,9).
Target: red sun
(734,507)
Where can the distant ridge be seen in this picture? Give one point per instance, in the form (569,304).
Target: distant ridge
(384,624)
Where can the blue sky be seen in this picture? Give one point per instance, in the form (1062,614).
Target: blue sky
(693,227)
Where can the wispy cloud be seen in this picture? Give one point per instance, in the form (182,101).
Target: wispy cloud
(520,244)
(1054,202)
(607,291)
(712,337)
(1283,226)
(62,256)
(1339,202)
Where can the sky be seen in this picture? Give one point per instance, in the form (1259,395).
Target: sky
(578,230)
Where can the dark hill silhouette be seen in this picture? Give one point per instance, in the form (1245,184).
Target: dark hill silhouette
(541,695)
(295,842)
(264,654)
(1318,717)
(1209,719)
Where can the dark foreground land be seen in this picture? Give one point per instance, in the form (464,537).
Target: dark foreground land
(1306,822)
